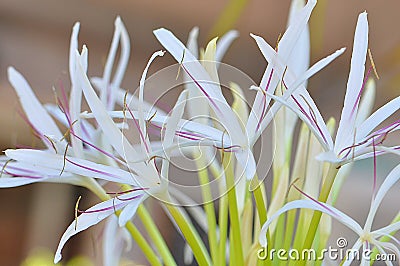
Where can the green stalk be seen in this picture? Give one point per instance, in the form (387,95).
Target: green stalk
(279,234)
(155,236)
(223,228)
(191,236)
(233,209)
(261,207)
(148,252)
(323,197)
(142,243)
(209,210)
(290,221)
(260,203)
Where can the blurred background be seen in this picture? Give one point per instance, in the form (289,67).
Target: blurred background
(34,38)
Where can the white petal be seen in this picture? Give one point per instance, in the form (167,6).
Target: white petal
(75,100)
(390,180)
(316,68)
(112,242)
(294,87)
(55,111)
(207,132)
(34,110)
(354,84)
(119,96)
(112,133)
(142,123)
(129,211)
(93,216)
(247,161)
(171,124)
(328,156)
(72,48)
(309,204)
(356,246)
(192,42)
(272,75)
(73,165)
(211,90)
(223,44)
(198,104)
(378,117)
(120,36)
(387,229)
(300,59)
(312,118)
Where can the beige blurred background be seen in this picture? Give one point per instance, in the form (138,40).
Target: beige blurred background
(34,38)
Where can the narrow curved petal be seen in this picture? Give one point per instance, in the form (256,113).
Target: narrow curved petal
(129,211)
(72,165)
(378,117)
(192,42)
(75,100)
(199,130)
(354,84)
(115,241)
(356,246)
(272,76)
(142,122)
(33,109)
(294,86)
(117,139)
(204,83)
(317,206)
(390,180)
(224,43)
(198,107)
(171,124)
(119,96)
(300,58)
(94,215)
(120,36)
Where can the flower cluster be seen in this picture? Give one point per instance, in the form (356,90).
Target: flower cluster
(95,150)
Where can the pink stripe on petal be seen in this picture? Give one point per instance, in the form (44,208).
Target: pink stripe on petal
(316,201)
(98,149)
(360,92)
(91,169)
(140,131)
(202,89)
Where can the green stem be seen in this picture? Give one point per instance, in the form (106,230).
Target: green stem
(233,210)
(191,236)
(261,211)
(323,197)
(260,203)
(155,236)
(142,243)
(223,228)
(290,220)
(209,210)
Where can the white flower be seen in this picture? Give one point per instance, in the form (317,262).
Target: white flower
(355,139)
(212,90)
(367,238)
